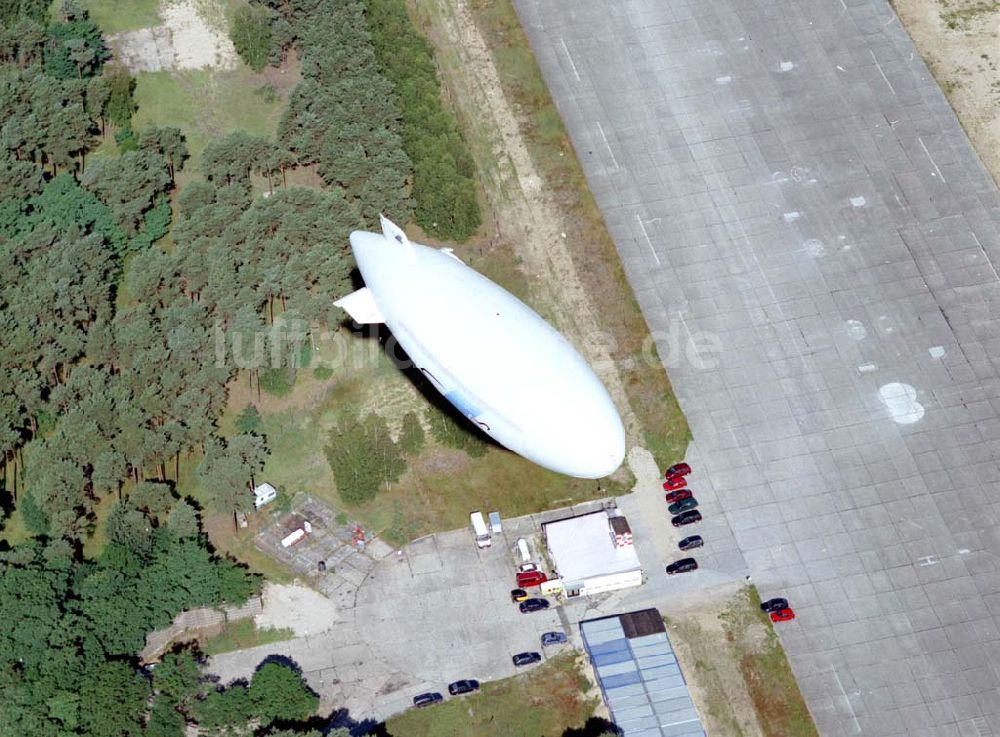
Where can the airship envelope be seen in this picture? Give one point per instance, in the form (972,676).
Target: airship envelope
(499,363)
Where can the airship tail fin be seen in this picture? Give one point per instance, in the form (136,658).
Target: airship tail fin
(360,305)
(392,231)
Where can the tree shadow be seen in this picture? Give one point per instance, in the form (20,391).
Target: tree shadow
(594,727)
(342,719)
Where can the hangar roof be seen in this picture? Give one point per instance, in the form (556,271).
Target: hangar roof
(639,675)
(582,547)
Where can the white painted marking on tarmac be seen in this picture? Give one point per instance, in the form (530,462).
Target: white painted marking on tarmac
(570,57)
(994,268)
(857,726)
(815,247)
(723,80)
(901,401)
(924,147)
(936,351)
(856,329)
(648,241)
(879,67)
(867,368)
(607,145)
(858,201)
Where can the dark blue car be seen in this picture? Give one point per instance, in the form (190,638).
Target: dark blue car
(526,659)
(553,638)
(461,687)
(426,699)
(690,543)
(533,605)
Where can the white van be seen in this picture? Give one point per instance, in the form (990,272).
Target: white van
(522,548)
(479,530)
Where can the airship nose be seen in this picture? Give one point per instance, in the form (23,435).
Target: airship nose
(588,449)
(603,451)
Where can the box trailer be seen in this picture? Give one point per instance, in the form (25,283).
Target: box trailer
(479,530)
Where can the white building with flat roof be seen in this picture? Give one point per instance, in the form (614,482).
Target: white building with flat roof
(591,554)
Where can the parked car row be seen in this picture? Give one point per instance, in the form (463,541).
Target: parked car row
(682,507)
(457,688)
(469,685)
(778,609)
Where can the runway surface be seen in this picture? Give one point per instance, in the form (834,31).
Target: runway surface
(790,191)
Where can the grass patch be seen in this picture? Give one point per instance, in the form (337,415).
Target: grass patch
(440,487)
(94,543)
(13,531)
(206,105)
(664,429)
(545,702)
(961,18)
(115,16)
(242,634)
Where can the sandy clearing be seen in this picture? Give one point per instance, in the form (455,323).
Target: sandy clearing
(193,36)
(302,609)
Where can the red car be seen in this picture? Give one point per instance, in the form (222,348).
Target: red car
(678,469)
(674,483)
(531,578)
(678,496)
(783,615)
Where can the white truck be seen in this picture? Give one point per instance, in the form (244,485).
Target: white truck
(480,531)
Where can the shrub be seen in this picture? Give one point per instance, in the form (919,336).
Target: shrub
(363,457)
(454,431)
(277,382)
(250,31)
(411,439)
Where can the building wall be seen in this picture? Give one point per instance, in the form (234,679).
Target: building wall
(611,582)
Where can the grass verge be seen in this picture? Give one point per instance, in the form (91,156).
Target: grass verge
(739,675)
(546,702)
(775,693)
(243,634)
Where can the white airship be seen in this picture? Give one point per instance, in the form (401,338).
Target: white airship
(488,353)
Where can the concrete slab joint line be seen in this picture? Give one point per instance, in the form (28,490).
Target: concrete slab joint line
(851,272)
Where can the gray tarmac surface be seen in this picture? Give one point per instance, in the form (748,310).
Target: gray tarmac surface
(785,182)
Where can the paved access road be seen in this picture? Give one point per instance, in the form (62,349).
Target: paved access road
(784,178)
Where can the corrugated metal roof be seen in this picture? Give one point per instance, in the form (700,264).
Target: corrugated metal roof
(639,675)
